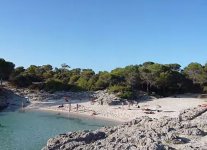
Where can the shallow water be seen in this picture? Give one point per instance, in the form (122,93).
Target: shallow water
(31,130)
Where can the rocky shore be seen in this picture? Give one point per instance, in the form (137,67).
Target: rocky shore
(11,100)
(187,132)
(101,96)
(3,99)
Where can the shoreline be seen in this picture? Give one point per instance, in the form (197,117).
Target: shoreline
(169,106)
(75,115)
(187,133)
(153,108)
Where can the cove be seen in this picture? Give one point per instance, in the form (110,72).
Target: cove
(31,130)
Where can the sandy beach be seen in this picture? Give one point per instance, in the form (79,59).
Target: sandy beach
(155,108)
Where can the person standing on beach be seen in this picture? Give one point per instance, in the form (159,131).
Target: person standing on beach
(129,103)
(69,106)
(122,105)
(67,100)
(77,107)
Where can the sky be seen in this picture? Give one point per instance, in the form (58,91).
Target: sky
(103,34)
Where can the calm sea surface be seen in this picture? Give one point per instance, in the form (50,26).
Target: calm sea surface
(31,130)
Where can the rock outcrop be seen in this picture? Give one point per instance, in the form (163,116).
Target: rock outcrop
(107,98)
(3,99)
(101,97)
(188,132)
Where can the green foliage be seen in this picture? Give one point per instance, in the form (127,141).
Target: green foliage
(117,76)
(121,91)
(87,73)
(53,85)
(149,77)
(196,72)
(132,77)
(24,80)
(126,95)
(65,67)
(149,63)
(104,79)
(174,67)
(74,79)
(32,70)
(92,83)
(18,71)
(117,89)
(6,69)
(82,83)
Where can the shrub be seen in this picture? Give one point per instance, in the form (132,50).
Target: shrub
(83,84)
(53,85)
(22,81)
(117,89)
(126,95)
(101,84)
(122,91)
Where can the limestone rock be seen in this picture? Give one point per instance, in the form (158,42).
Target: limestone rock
(143,133)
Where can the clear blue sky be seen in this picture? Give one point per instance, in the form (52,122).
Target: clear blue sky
(103,34)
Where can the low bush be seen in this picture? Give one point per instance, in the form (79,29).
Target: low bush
(53,85)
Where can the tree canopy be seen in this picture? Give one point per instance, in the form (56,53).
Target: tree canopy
(6,69)
(151,77)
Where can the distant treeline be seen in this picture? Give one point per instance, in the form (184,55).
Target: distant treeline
(150,77)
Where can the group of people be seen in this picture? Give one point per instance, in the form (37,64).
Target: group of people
(70,105)
(67,100)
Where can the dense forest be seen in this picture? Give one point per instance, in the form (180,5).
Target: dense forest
(150,77)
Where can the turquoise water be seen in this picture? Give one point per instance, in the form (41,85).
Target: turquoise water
(31,130)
